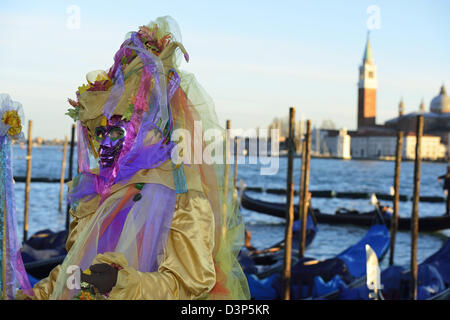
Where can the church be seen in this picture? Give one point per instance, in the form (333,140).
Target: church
(378,141)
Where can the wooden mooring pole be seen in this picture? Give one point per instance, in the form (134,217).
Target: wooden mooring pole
(302,178)
(415,209)
(289,208)
(72,145)
(27,182)
(305,192)
(394,221)
(63,172)
(226,173)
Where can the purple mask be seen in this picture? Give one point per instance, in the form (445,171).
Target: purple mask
(111,138)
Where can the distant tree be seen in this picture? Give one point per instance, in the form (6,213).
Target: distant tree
(328,124)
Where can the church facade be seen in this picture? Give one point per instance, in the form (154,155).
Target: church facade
(371,140)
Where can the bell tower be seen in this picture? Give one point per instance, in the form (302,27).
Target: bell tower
(367,89)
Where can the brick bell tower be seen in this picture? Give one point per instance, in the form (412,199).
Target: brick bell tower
(367,89)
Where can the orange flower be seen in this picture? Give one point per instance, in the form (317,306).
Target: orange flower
(85,295)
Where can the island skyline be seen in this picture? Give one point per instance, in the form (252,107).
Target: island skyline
(255,66)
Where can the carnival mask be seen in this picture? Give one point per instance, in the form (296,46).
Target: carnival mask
(111,138)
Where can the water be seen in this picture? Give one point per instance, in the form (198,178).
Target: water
(326,174)
(44,197)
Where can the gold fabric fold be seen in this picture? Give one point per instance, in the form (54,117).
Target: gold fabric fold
(187,268)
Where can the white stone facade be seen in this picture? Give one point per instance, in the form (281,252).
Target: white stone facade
(432,148)
(379,147)
(339,146)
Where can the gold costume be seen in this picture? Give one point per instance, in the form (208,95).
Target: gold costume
(186,270)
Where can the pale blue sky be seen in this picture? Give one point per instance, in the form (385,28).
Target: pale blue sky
(255,58)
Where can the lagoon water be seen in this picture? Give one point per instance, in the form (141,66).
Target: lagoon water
(326,174)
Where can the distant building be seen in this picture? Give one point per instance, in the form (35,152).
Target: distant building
(431,149)
(383,146)
(338,143)
(379,141)
(367,90)
(436,121)
(373,145)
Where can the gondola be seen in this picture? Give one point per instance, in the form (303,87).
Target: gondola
(311,278)
(433,281)
(268,261)
(43,251)
(426,224)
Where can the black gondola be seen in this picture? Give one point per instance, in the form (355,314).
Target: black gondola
(268,261)
(44,251)
(427,224)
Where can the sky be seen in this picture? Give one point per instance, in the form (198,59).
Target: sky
(255,58)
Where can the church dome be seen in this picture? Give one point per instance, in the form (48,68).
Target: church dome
(440,103)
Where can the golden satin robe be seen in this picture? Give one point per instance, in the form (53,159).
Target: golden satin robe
(187,268)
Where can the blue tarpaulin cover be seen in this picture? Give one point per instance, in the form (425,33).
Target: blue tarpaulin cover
(433,276)
(324,276)
(355,256)
(441,261)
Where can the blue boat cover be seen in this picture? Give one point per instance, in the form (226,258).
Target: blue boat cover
(355,256)
(323,288)
(395,282)
(441,261)
(433,275)
(309,224)
(320,277)
(430,282)
(262,289)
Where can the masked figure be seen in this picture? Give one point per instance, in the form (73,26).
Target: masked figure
(144,226)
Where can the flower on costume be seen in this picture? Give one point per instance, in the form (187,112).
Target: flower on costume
(11,117)
(98,80)
(73,113)
(87,292)
(150,39)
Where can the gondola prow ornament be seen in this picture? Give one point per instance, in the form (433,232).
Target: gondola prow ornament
(373,279)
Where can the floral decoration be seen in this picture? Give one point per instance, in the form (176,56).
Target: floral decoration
(150,39)
(73,113)
(11,118)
